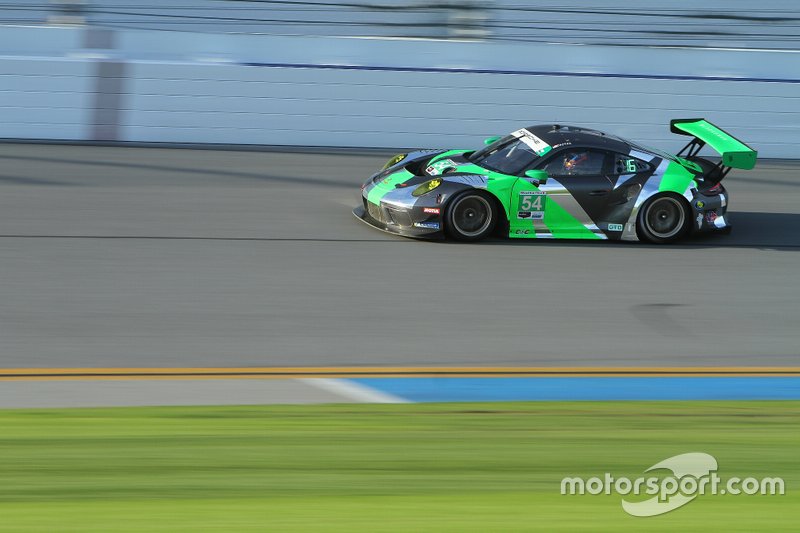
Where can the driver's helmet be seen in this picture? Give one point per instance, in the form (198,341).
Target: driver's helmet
(574,160)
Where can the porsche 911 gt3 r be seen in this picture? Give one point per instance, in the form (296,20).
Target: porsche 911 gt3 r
(563,182)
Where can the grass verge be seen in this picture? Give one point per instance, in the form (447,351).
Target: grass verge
(431,467)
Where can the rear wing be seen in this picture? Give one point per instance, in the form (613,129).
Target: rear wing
(735,154)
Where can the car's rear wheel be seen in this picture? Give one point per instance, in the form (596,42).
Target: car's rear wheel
(663,219)
(471,216)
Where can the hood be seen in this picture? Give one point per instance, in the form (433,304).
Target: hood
(452,161)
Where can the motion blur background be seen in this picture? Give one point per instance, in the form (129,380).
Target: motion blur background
(395,74)
(131,264)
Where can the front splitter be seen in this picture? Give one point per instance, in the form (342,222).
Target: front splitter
(361,214)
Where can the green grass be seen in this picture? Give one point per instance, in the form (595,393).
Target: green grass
(435,467)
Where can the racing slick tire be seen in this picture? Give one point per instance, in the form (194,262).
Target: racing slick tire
(471,216)
(663,219)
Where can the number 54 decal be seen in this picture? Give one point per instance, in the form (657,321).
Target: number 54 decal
(531,205)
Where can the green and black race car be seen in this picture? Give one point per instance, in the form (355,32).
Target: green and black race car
(562,182)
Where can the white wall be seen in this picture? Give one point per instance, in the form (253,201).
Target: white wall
(193,88)
(237,104)
(45,98)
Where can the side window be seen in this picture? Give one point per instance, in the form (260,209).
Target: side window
(625,164)
(576,162)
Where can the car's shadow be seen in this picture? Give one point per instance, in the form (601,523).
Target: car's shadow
(768,231)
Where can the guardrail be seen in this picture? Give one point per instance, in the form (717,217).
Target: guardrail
(727,23)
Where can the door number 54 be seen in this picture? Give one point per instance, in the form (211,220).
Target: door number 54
(532,202)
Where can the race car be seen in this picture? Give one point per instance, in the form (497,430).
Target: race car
(558,182)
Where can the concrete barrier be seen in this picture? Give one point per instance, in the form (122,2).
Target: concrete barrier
(153,86)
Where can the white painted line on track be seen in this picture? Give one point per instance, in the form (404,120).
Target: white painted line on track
(352,390)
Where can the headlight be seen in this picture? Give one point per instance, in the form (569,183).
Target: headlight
(426,187)
(393,161)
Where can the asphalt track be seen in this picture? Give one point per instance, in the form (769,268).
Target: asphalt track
(146,257)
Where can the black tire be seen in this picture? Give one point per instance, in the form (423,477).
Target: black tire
(664,218)
(471,216)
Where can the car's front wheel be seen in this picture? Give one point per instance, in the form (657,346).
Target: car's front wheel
(663,219)
(471,216)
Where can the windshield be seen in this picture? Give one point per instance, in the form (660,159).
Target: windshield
(509,155)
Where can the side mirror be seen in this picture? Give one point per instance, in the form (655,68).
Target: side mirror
(491,140)
(539,177)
